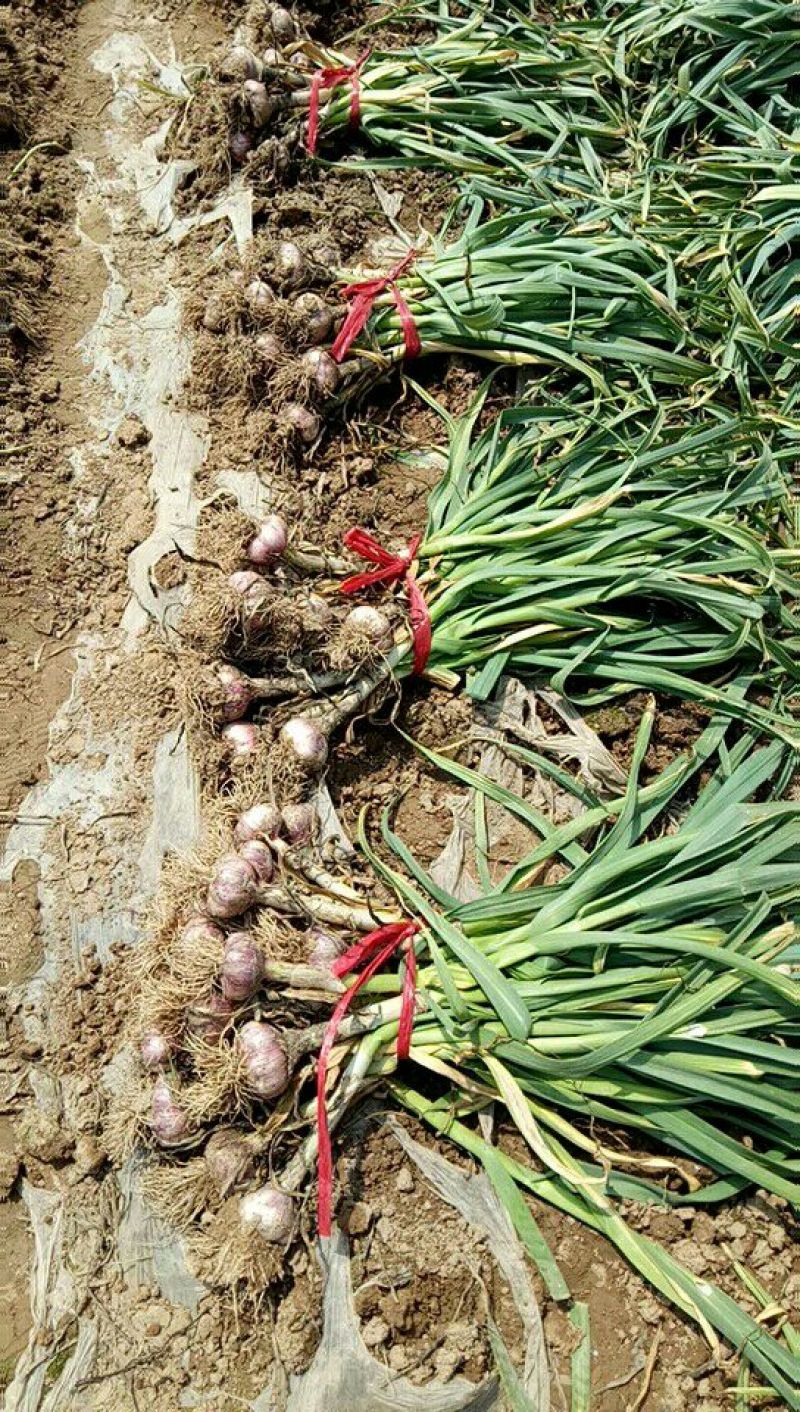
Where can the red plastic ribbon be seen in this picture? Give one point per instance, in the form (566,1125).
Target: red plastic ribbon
(363,295)
(391,568)
(332,78)
(373,951)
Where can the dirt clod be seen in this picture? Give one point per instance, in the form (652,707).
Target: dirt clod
(132,433)
(9,1171)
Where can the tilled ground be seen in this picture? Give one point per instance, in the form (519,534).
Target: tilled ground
(114,454)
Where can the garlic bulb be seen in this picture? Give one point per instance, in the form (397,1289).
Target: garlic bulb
(268,1211)
(265,1061)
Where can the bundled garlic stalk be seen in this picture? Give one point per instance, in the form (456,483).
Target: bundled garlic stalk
(219,962)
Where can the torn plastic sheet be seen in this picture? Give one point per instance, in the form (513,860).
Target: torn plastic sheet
(514,705)
(83,796)
(26,1393)
(176,806)
(125,59)
(474,1198)
(145,360)
(235,207)
(518,715)
(344,1377)
(250,489)
(135,364)
(331,829)
(45,1210)
(514,711)
(77,1367)
(147,1250)
(450,869)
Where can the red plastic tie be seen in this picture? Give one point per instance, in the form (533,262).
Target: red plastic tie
(373,951)
(332,78)
(362,296)
(391,569)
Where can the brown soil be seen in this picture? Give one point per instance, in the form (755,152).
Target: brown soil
(420,1277)
(38,622)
